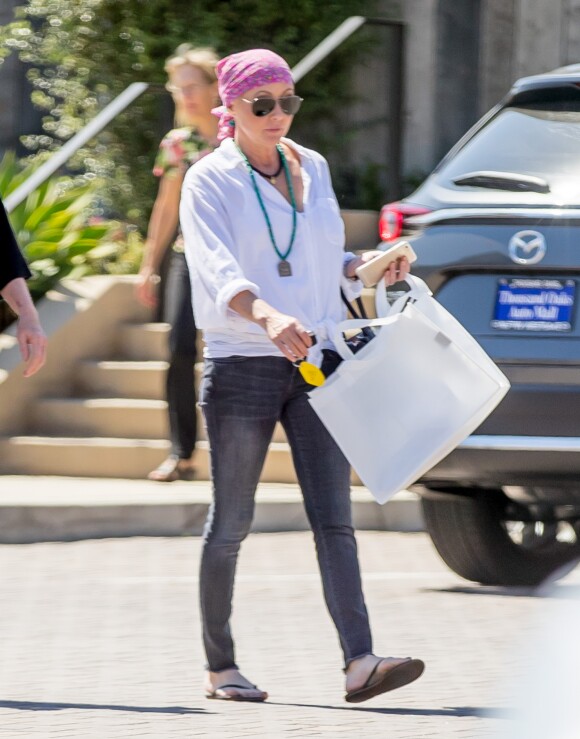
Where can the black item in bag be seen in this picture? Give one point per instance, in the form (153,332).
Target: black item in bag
(355,343)
(332,359)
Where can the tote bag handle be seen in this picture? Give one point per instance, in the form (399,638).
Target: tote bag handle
(385,312)
(417,289)
(340,342)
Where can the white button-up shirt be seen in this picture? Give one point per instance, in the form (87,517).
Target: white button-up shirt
(228,250)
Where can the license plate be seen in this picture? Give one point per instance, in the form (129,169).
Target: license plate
(534,305)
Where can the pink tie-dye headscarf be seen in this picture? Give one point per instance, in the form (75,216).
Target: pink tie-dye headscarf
(238,73)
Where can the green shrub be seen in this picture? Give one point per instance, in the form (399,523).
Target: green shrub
(56,229)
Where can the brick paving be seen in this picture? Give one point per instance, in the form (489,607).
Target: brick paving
(100,639)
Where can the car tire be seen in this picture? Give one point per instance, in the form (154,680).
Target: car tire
(469,532)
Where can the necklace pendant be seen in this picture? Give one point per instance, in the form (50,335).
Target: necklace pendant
(284,268)
(273,180)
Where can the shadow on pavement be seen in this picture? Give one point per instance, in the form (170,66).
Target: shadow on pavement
(487,590)
(452,711)
(51,706)
(555,590)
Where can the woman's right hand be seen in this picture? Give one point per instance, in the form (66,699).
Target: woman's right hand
(147,287)
(161,230)
(286,332)
(289,335)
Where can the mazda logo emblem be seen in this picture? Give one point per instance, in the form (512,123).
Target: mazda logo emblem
(527,247)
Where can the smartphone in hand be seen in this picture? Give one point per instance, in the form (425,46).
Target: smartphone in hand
(371,272)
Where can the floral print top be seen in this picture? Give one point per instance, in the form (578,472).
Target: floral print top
(179,149)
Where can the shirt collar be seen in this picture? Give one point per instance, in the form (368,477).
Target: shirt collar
(229,151)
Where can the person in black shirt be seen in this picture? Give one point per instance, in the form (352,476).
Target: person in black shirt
(13,275)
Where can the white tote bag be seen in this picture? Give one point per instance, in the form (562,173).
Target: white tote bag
(411,395)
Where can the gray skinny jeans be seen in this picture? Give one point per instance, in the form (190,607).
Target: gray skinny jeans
(242,398)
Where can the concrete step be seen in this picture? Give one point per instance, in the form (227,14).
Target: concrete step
(81,456)
(123,379)
(36,508)
(115,457)
(128,418)
(143,341)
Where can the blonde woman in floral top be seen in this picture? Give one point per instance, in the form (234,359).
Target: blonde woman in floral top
(192,83)
(180,148)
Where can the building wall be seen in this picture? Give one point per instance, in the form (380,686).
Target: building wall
(496,63)
(540,37)
(457,79)
(462,57)
(571,31)
(419,84)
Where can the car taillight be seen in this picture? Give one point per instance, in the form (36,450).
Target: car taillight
(392,219)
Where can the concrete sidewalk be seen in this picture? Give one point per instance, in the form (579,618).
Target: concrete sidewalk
(67,508)
(100,639)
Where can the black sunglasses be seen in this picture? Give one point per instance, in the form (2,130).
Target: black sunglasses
(290,105)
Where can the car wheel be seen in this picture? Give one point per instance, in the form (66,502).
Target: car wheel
(480,536)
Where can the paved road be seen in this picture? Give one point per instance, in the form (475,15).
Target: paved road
(100,639)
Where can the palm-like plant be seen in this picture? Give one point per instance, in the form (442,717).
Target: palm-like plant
(53,226)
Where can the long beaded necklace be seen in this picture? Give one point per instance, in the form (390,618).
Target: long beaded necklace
(284,268)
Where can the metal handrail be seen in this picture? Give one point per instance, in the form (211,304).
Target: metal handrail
(61,156)
(122,101)
(329,44)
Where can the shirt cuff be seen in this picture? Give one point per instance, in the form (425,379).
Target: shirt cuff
(347,259)
(226,294)
(13,274)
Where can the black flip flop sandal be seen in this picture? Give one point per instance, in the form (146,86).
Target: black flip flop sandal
(395,677)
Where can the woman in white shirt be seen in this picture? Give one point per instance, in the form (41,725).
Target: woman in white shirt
(264,243)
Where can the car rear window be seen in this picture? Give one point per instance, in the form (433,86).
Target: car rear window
(540,139)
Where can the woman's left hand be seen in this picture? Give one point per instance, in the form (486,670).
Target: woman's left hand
(395,272)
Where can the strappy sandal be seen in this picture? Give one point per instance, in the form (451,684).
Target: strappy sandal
(170,470)
(395,677)
(213,694)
